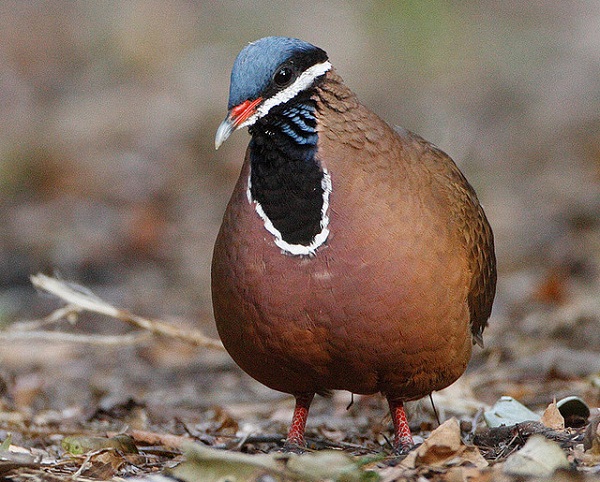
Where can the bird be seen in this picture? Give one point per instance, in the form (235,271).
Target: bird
(352,255)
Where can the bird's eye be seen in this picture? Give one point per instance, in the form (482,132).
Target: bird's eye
(283,76)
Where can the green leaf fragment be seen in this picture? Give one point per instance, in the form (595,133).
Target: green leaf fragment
(5,445)
(77,445)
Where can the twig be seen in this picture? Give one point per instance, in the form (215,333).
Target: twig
(176,442)
(520,432)
(68,312)
(57,336)
(87,462)
(80,298)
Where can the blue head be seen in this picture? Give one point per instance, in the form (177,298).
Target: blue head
(266,73)
(255,66)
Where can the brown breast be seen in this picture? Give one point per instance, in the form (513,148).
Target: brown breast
(392,300)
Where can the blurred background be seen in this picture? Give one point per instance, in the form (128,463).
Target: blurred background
(109,177)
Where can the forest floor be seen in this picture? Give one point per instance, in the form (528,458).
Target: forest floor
(160,398)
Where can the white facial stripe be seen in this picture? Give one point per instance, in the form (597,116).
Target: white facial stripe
(303,82)
(319,239)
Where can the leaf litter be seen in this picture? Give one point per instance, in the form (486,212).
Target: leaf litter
(151,407)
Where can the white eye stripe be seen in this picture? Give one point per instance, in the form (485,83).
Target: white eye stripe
(301,83)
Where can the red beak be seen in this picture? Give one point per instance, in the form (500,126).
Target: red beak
(235,118)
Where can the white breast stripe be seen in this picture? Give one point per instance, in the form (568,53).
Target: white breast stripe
(318,240)
(303,82)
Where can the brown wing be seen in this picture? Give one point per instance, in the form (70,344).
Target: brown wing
(475,228)
(482,259)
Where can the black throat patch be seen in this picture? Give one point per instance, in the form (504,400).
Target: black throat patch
(286,179)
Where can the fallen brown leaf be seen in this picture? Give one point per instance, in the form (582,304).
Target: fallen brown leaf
(468,474)
(591,442)
(552,417)
(105,465)
(444,447)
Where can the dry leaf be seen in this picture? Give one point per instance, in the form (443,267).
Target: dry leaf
(105,465)
(203,463)
(552,289)
(467,474)
(444,447)
(591,443)
(539,457)
(552,418)
(594,436)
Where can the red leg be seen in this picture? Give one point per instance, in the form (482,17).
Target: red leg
(295,435)
(403,440)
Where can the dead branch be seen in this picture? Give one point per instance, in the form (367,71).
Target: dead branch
(57,336)
(79,298)
(68,312)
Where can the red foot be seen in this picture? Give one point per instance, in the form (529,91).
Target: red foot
(403,440)
(295,435)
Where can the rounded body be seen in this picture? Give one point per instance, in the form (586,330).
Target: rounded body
(386,304)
